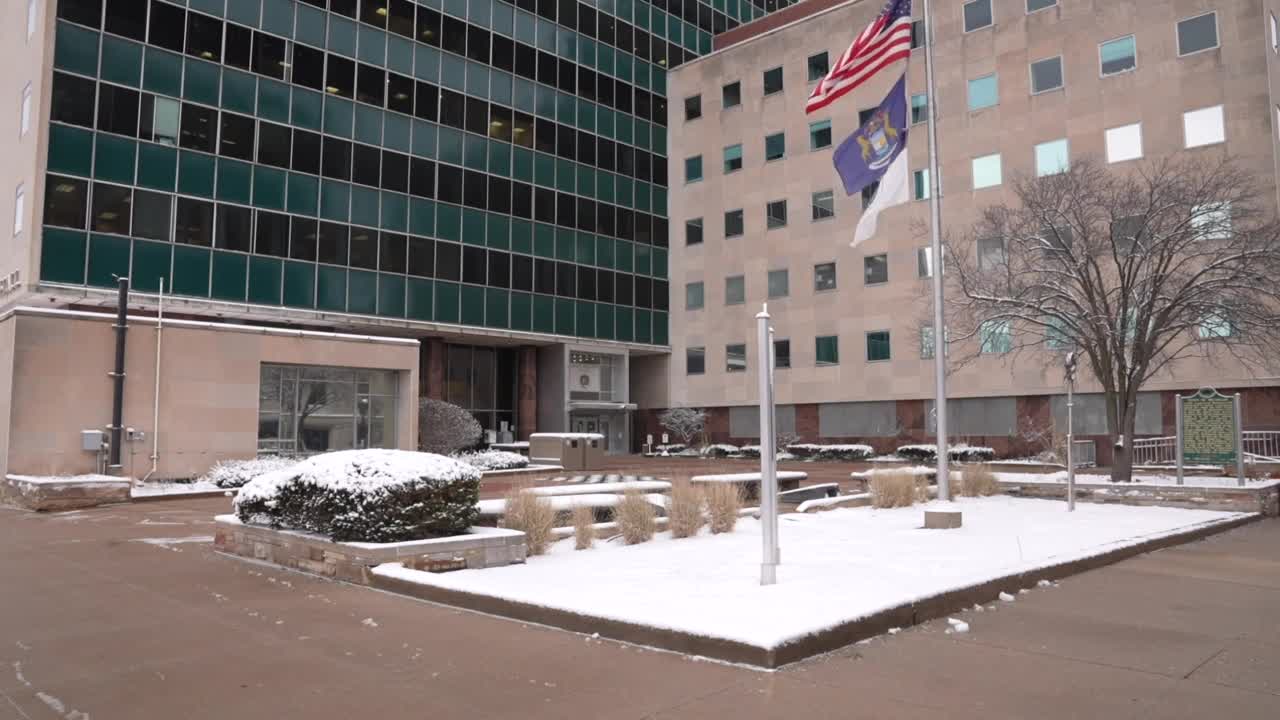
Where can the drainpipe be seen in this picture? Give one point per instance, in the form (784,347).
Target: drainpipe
(155,408)
(117,377)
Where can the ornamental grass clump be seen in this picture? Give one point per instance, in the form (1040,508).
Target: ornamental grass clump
(532,515)
(635,518)
(724,500)
(900,488)
(684,511)
(978,481)
(584,531)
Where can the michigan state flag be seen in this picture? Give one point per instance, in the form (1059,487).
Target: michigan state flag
(874,153)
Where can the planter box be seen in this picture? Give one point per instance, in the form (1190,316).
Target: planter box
(64,493)
(483,547)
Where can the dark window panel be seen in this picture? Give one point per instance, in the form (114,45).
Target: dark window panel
(198,128)
(499,269)
(302,239)
(151,214)
(400,93)
(586,20)
(422,256)
(644,292)
(544,135)
(454,35)
(526,62)
(627,160)
(395,171)
(366,165)
(567,13)
(272,237)
(499,195)
(622,97)
(567,77)
(127,18)
(657,50)
(642,43)
(521,200)
(236,136)
(340,76)
(585,148)
(625,36)
(475,189)
(566,210)
(449,185)
(392,252)
(522,273)
(623,288)
(422,178)
(660,170)
(478,44)
(544,276)
(400,19)
(606,153)
(643,168)
(604,90)
(448,261)
(343,7)
(547,9)
(427,103)
(332,243)
(274,142)
(660,232)
(270,55)
(306,152)
(566,140)
(66,200)
(477,120)
(547,68)
(73,100)
(586,215)
(238,52)
(586,283)
(235,228)
(337,159)
(604,285)
(193,222)
(364,248)
(474,265)
(626,228)
(85,12)
(428,26)
(644,104)
(660,295)
(659,115)
(204,37)
(374,12)
(308,67)
(544,205)
(522,129)
(118,110)
(453,109)
(566,281)
(500,119)
(504,53)
(586,83)
(644,228)
(606,217)
(371,85)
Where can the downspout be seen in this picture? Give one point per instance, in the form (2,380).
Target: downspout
(117,377)
(155,409)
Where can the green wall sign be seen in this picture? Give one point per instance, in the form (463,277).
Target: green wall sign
(1208,428)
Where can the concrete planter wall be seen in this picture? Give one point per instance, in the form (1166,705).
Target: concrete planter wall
(69,493)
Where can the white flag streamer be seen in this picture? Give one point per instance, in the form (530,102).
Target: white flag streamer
(893,190)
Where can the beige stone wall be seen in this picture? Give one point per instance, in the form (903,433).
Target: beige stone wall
(208,388)
(1156,94)
(7,327)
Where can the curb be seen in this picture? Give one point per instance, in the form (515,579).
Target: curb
(906,615)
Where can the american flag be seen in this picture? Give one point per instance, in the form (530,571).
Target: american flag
(886,40)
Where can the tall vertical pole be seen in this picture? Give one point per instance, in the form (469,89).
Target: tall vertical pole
(1177,438)
(935,249)
(117,375)
(1235,406)
(1071,444)
(768,457)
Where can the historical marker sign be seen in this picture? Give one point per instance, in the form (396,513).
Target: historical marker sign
(1208,428)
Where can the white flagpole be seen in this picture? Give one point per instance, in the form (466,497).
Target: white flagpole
(935,249)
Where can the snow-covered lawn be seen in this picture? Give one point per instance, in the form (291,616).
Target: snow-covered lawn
(1139,481)
(837,566)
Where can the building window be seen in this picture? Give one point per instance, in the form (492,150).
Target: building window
(917,34)
(692,107)
(732,158)
(693,296)
(818,66)
(1275,34)
(695,361)
(1034,5)
(733,223)
(776,214)
(919,108)
(693,231)
(820,135)
(1052,157)
(1124,143)
(990,253)
(306,409)
(875,269)
(1204,127)
(1046,75)
(731,95)
(773,81)
(779,284)
(775,146)
(984,92)
(19,209)
(826,349)
(824,205)
(1119,55)
(927,343)
(781,354)
(878,346)
(986,171)
(924,262)
(693,169)
(1212,222)
(33,11)
(995,337)
(1215,326)
(1198,34)
(24,122)
(920,184)
(977,15)
(735,290)
(824,276)
(735,357)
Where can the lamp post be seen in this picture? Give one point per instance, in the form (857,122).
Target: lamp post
(1071,439)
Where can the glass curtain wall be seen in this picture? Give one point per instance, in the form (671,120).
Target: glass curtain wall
(482,380)
(303,409)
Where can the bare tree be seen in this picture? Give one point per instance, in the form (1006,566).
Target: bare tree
(688,423)
(1135,270)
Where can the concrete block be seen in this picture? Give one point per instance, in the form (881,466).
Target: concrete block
(942,519)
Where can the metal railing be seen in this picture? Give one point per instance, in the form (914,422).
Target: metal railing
(1259,446)
(1084,453)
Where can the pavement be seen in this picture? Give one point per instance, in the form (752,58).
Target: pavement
(126,612)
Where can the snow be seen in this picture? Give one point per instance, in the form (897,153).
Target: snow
(837,566)
(568,436)
(175,489)
(410,546)
(808,505)
(832,448)
(916,470)
(1006,597)
(494,460)
(1139,481)
(365,471)
(67,479)
(235,473)
(748,477)
(604,488)
(565,503)
(957,625)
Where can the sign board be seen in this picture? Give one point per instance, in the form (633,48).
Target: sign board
(1209,431)
(648,439)
(586,378)
(665,439)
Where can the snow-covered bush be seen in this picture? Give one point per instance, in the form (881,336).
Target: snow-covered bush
(366,496)
(445,428)
(235,473)
(843,453)
(718,451)
(494,460)
(688,423)
(959,452)
(672,449)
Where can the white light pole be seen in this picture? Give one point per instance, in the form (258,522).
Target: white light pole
(1071,438)
(768,456)
(935,248)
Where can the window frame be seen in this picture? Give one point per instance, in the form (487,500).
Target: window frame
(742,280)
(1131,37)
(888,344)
(994,76)
(818,126)
(912,103)
(1066,143)
(1222,118)
(1106,143)
(964,21)
(866,265)
(1062,74)
(826,60)
(742,220)
(974,169)
(814,208)
(726,159)
(817,355)
(701,169)
(689,354)
(19,209)
(783,155)
(776,343)
(783,273)
(694,222)
(769,219)
(24,112)
(835,278)
(698,98)
(1217,34)
(1027,5)
(689,293)
(724,88)
(764,81)
(920,190)
(728,365)
(990,331)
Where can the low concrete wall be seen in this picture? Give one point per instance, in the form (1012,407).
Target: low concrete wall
(65,493)
(351,561)
(1264,500)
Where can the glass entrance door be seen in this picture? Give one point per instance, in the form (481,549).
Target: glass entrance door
(592,424)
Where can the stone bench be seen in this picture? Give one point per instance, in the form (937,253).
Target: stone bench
(602,504)
(64,493)
(749,483)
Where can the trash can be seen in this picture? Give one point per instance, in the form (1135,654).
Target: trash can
(592,452)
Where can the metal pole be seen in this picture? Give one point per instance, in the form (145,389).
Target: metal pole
(1235,402)
(935,248)
(768,480)
(1071,444)
(1177,440)
(117,376)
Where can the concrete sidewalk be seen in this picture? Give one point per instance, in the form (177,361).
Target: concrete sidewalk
(96,623)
